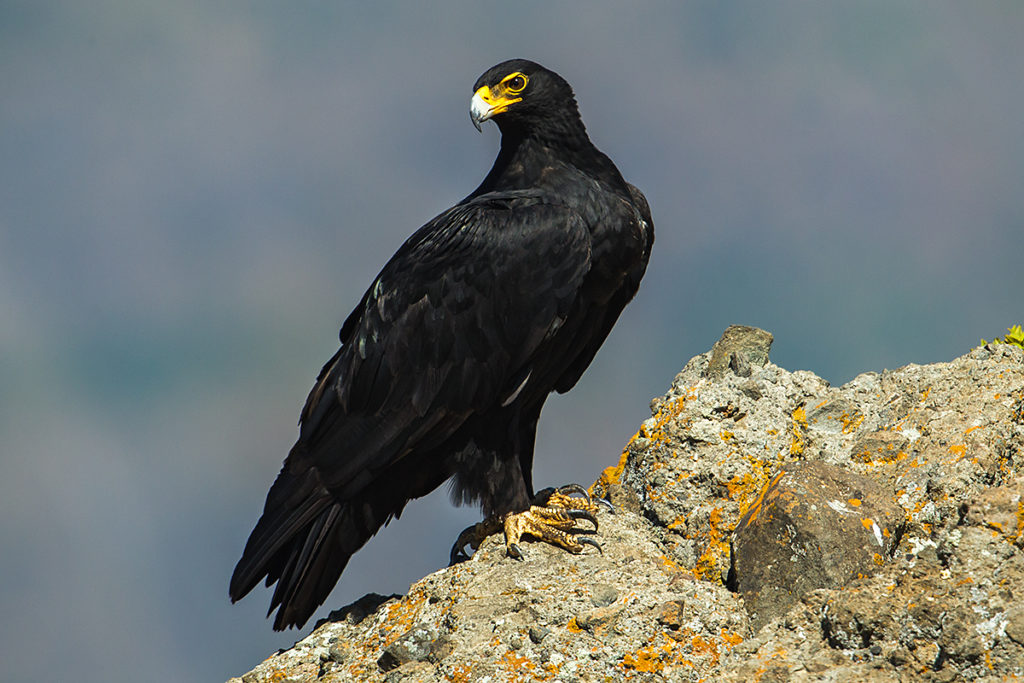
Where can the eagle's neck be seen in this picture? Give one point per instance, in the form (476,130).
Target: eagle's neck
(535,157)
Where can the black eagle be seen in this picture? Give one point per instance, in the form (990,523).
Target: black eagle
(448,358)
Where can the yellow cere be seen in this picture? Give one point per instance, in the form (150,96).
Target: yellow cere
(501,97)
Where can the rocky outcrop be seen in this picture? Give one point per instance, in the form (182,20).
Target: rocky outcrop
(769,527)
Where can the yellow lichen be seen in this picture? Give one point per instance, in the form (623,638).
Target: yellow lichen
(755,508)
(518,667)
(400,616)
(670,565)
(611,475)
(708,648)
(850,423)
(655,433)
(653,658)
(461,674)
(731,639)
(798,432)
(709,564)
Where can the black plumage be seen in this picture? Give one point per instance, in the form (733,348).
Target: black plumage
(446,361)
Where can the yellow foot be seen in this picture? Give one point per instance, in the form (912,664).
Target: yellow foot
(552,518)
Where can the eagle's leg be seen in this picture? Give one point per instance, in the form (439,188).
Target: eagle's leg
(551,518)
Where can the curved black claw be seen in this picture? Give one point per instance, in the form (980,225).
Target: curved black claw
(583,514)
(515,552)
(574,488)
(607,504)
(472,536)
(458,552)
(586,540)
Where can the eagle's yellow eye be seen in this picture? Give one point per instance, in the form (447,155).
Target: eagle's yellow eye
(516,82)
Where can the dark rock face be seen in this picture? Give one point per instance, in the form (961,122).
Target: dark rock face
(815,525)
(870,532)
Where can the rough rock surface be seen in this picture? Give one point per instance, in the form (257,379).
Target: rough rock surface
(883,541)
(814,526)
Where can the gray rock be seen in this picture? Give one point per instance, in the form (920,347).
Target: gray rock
(815,526)
(939,444)
(740,349)
(538,633)
(603,594)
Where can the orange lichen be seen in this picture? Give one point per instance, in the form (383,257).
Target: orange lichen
(884,454)
(461,674)
(670,565)
(732,639)
(708,648)
(647,659)
(655,433)
(665,414)
(850,423)
(400,616)
(798,431)
(654,657)
(677,522)
(755,509)
(517,667)
(716,551)
(611,475)
(854,502)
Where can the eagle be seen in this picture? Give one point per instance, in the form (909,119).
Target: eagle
(447,359)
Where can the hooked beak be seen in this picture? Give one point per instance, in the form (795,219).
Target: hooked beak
(479,110)
(487,103)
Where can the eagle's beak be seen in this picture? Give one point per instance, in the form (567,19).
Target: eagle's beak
(487,103)
(479,110)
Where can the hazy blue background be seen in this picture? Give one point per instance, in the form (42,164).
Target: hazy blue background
(194,194)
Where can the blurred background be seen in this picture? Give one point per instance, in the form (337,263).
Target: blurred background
(193,195)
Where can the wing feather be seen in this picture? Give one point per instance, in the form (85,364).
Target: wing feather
(448,328)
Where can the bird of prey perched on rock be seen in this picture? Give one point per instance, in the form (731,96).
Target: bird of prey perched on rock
(447,360)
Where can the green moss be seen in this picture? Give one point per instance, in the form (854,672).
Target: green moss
(1015,335)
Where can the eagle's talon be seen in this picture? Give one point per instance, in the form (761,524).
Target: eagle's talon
(472,536)
(586,540)
(583,514)
(570,489)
